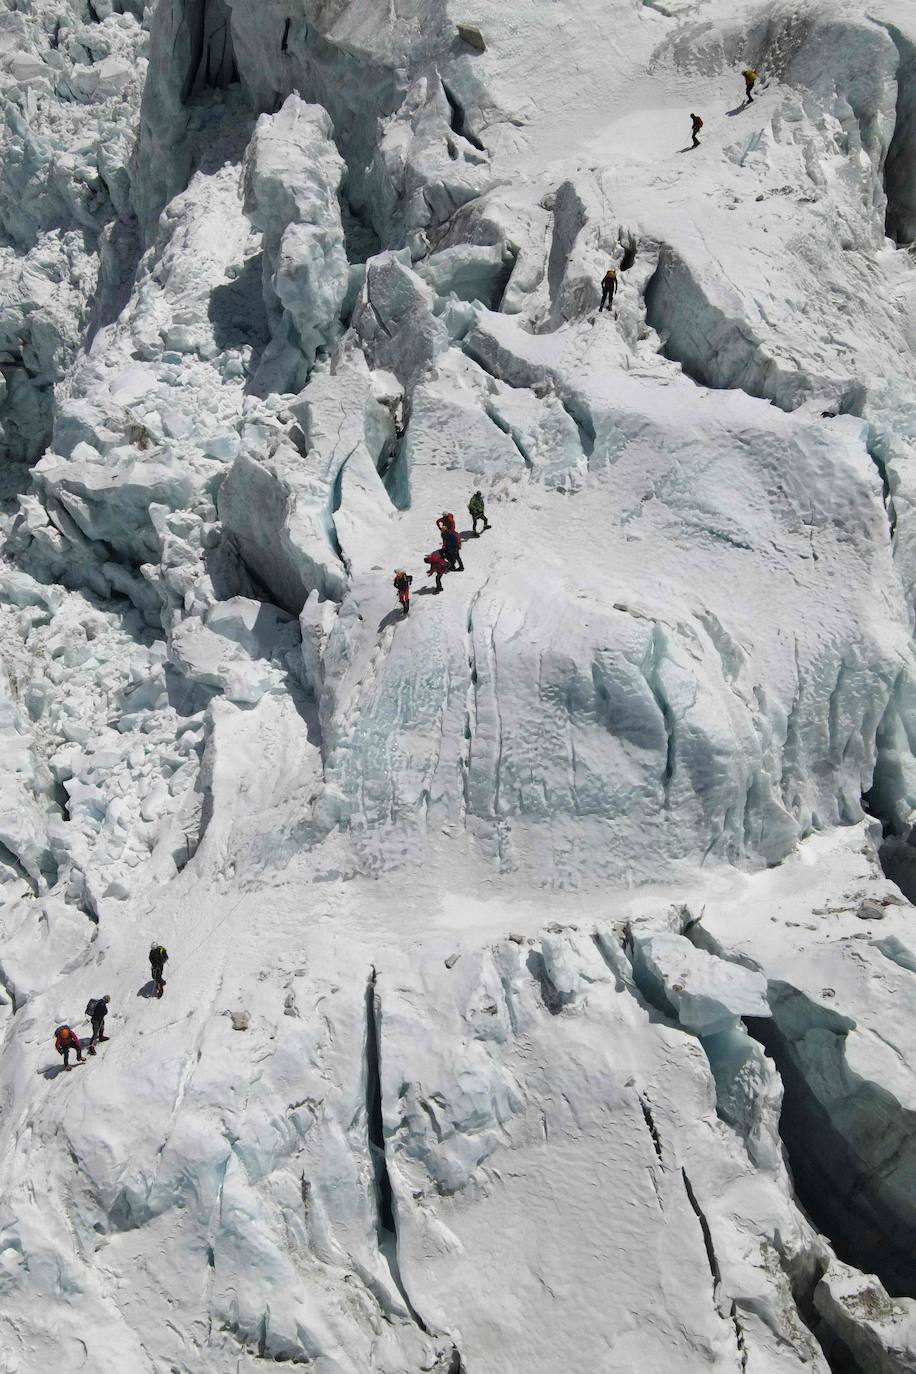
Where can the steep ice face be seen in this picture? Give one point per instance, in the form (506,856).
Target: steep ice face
(292,177)
(432,1086)
(71,89)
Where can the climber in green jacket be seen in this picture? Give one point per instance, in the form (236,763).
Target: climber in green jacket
(477,512)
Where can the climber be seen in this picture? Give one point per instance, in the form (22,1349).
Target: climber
(696,126)
(750,77)
(451,547)
(477,512)
(66,1040)
(437,566)
(402,581)
(157,962)
(608,287)
(97,1010)
(445,522)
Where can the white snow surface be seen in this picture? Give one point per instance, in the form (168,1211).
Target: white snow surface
(536,998)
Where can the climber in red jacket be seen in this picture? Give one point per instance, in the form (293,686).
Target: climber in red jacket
(437,566)
(66,1040)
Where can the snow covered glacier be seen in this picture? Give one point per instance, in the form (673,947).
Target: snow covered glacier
(536,997)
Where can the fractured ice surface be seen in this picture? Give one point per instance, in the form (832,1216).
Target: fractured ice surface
(292,176)
(707,994)
(551,912)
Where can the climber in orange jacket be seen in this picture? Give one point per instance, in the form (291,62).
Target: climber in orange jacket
(66,1040)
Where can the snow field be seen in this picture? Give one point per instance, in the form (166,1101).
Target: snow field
(480,922)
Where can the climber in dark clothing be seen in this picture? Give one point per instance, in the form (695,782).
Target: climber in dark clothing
(402,581)
(97,1010)
(157,962)
(608,287)
(451,547)
(696,125)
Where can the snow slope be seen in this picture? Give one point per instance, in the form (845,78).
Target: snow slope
(536,996)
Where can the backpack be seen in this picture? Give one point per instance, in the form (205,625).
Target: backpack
(698,121)
(91,1006)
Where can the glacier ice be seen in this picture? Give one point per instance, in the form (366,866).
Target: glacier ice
(576,1003)
(292,176)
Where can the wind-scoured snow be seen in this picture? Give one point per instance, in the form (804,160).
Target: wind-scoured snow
(536,997)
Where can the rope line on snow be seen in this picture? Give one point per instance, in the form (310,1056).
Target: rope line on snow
(222,920)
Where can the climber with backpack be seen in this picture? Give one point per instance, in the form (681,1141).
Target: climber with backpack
(437,566)
(477,512)
(451,547)
(696,125)
(157,962)
(608,287)
(750,78)
(402,581)
(97,1010)
(66,1040)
